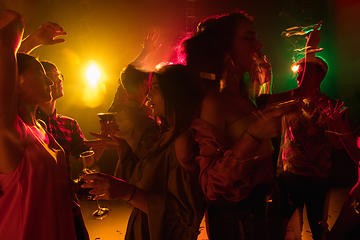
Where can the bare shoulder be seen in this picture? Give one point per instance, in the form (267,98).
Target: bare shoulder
(184,145)
(213,109)
(214,99)
(185,150)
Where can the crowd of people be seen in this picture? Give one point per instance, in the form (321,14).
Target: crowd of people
(194,139)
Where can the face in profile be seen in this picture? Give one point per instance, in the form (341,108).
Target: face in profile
(56,89)
(156,99)
(34,84)
(245,47)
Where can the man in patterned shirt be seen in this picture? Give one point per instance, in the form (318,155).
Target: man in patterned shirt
(67,133)
(306,143)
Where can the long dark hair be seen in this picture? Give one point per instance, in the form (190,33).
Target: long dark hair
(182,97)
(22,61)
(209,49)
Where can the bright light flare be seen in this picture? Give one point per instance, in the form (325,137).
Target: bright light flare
(94,91)
(295,68)
(162,64)
(93,75)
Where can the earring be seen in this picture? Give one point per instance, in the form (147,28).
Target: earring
(228,60)
(223,80)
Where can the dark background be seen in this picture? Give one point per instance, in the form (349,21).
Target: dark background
(111,32)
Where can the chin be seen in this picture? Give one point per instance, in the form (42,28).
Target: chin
(43,101)
(56,96)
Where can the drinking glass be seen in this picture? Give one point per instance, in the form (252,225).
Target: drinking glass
(90,166)
(107,117)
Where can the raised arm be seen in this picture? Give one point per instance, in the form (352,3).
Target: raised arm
(46,35)
(307,83)
(11,31)
(150,45)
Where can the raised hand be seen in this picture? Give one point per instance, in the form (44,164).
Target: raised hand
(340,130)
(337,117)
(150,43)
(11,29)
(307,83)
(45,35)
(313,39)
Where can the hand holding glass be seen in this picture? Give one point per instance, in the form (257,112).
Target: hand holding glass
(90,166)
(107,118)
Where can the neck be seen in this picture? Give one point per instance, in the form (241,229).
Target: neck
(167,136)
(232,84)
(313,94)
(27,114)
(48,108)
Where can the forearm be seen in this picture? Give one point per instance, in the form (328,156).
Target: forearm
(137,197)
(142,56)
(294,94)
(8,84)
(28,44)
